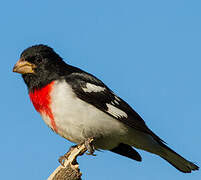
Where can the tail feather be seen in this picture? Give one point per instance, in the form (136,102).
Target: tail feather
(178,161)
(172,157)
(128,151)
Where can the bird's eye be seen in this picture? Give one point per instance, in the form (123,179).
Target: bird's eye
(38,59)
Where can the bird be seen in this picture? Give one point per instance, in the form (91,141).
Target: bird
(78,106)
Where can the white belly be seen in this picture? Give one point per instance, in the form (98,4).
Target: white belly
(77,120)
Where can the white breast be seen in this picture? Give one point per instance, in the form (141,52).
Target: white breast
(76,120)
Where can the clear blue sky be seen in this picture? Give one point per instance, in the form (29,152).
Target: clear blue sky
(148,52)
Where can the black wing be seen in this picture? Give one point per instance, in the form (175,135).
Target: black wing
(95,92)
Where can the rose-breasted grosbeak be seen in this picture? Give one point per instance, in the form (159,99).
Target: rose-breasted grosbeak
(78,106)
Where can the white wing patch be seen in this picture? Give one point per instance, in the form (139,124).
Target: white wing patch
(116,101)
(117,98)
(93,88)
(115,111)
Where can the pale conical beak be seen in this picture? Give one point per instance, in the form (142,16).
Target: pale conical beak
(24,67)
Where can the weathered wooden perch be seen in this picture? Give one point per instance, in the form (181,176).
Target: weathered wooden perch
(69,168)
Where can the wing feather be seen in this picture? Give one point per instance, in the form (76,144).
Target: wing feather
(95,92)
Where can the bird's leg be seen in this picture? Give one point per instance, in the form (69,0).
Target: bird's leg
(89,146)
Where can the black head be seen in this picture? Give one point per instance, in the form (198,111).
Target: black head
(39,65)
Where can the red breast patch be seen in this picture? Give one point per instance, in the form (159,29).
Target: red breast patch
(41,100)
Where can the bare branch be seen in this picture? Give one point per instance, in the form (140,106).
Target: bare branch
(69,168)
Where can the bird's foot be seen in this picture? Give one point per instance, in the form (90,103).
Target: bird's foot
(65,156)
(70,158)
(89,146)
(78,150)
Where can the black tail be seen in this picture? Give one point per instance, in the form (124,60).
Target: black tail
(178,161)
(128,151)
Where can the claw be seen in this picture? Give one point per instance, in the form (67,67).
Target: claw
(62,160)
(65,156)
(74,151)
(89,146)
